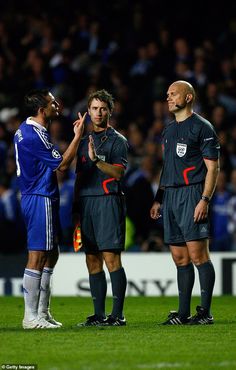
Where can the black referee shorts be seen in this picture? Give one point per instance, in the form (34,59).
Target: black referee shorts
(178,209)
(102,221)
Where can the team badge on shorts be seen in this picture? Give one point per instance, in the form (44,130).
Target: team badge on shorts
(56,154)
(181,149)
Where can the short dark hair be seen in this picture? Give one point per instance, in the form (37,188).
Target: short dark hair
(36,99)
(104,96)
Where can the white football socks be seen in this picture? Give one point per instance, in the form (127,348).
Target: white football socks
(45,291)
(31,286)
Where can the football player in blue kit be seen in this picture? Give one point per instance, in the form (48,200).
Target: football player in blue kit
(187,183)
(37,161)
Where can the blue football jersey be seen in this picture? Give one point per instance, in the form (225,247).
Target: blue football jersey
(36,160)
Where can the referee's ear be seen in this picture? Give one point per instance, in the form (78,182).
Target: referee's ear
(188,98)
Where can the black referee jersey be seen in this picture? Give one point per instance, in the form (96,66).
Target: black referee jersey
(185,145)
(111,147)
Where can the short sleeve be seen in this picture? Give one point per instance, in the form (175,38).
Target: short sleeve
(209,143)
(44,150)
(120,152)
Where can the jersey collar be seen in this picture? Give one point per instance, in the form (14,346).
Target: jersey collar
(30,121)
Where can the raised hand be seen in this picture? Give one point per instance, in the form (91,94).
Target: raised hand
(79,124)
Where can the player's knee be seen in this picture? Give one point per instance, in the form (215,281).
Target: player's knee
(200,259)
(113,265)
(181,260)
(36,261)
(52,257)
(94,264)
(200,256)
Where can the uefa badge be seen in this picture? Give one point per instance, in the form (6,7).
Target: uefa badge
(181,149)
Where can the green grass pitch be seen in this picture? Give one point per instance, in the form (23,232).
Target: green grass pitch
(142,344)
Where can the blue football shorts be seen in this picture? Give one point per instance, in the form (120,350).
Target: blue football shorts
(41,216)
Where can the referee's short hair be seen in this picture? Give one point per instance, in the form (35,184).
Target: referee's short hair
(104,96)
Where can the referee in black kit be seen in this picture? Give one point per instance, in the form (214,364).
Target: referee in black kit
(188,180)
(99,205)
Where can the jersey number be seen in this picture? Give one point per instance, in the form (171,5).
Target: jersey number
(17,161)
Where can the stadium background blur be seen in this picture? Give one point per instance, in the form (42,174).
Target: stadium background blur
(134,49)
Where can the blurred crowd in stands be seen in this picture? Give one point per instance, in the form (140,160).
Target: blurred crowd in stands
(134,50)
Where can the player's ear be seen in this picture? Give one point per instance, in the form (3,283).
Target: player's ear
(41,111)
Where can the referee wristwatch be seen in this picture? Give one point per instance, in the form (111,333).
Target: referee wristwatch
(205,198)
